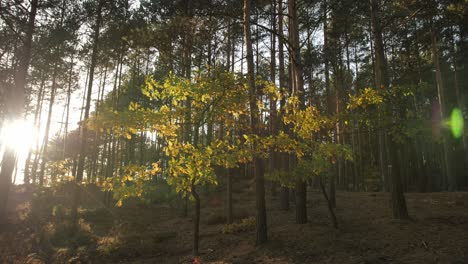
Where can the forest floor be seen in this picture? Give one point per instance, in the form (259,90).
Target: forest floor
(138,233)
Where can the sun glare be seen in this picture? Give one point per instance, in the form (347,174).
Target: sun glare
(19,135)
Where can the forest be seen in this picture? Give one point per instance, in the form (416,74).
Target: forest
(248,131)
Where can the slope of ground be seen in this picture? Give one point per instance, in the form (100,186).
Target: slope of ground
(137,233)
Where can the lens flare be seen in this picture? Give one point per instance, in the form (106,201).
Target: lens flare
(456,123)
(18,135)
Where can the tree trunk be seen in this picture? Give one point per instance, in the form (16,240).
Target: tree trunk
(460,97)
(187,72)
(301,202)
(184,206)
(274,164)
(451,180)
(196,221)
(67,109)
(84,129)
(329,98)
(332,199)
(329,205)
(229,217)
(15,108)
(381,82)
(284,197)
(261,226)
(40,98)
(297,90)
(398,199)
(325,57)
(45,143)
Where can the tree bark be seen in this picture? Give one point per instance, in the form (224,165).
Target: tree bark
(325,57)
(40,98)
(297,90)
(84,129)
(15,108)
(45,143)
(381,82)
(451,179)
(329,205)
(196,221)
(274,156)
(67,118)
(229,216)
(398,200)
(460,95)
(284,197)
(261,225)
(187,72)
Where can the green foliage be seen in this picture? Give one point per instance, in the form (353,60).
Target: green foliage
(230,155)
(283,177)
(215,97)
(314,156)
(392,109)
(132,183)
(308,122)
(367,97)
(59,171)
(189,166)
(322,159)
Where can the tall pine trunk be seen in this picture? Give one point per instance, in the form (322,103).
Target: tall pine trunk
(450,177)
(45,143)
(196,221)
(15,108)
(297,90)
(397,196)
(67,114)
(274,159)
(40,98)
(84,129)
(284,196)
(261,226)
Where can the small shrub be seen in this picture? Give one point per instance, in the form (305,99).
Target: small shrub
(107,245)
(246,224)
